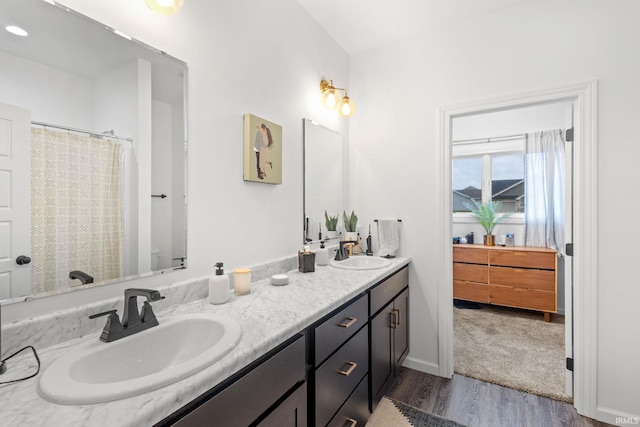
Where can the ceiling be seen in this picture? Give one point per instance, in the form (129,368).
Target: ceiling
(359,25)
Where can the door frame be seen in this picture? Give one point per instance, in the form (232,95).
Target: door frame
(583,95)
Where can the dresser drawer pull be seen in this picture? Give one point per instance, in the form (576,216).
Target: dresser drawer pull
(350,422)
(351,321)
(348,372)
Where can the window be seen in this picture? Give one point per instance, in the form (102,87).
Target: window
(485,173)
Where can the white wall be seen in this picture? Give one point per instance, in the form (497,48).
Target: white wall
(17,77)
(539,44)
(266,58)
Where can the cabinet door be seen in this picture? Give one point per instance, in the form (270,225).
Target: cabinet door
(381,353)
(290,413)
(401,330)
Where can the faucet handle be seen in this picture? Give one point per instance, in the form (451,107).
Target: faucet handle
(105,313)
(112,326)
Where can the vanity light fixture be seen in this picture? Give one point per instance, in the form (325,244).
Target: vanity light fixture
(14,29)
(332,99)
(165,7)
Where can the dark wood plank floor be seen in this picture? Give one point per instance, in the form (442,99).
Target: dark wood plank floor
(477,403)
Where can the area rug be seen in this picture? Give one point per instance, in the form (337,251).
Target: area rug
(390,413)
(513,348)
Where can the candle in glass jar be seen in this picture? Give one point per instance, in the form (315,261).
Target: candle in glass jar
(242,281)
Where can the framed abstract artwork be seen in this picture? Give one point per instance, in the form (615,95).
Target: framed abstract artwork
(262,150)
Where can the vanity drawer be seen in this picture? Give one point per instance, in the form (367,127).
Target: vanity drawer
(471,272)
(339,376)
(335,331)
(526,259)
(523,278)
(355,411)
(470,254)
(385,291)
(469,291)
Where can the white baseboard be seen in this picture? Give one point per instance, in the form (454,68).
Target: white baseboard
(614,417)
(422,366)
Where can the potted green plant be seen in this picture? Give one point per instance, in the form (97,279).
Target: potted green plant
(350,223)
(331,222)
(486,214)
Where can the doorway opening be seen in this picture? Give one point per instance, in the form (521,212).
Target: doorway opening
(501,292)
(584,313)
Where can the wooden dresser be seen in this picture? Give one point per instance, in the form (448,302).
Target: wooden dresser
(521,277)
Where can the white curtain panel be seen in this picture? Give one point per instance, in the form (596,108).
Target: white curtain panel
(75,209)
(544,189)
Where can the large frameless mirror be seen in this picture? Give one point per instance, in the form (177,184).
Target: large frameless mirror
(323,182)
(92,154)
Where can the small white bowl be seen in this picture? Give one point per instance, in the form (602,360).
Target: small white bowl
(279,279)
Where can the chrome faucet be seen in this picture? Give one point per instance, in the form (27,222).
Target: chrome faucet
(342,253)
(132,320)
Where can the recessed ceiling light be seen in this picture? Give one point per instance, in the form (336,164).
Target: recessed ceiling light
(13,29)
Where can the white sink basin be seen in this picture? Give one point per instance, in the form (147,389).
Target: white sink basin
(97,372)
(361,263)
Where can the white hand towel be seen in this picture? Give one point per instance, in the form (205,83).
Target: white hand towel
(388,236)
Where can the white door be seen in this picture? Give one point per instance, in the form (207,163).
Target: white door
(15,201)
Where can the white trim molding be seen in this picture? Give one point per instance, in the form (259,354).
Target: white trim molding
(583,97)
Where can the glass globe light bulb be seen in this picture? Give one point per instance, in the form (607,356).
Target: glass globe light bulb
(346,107)
(164,7)
(331,98)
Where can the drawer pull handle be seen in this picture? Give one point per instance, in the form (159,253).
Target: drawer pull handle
(351,321)
(348,372)
(351,421)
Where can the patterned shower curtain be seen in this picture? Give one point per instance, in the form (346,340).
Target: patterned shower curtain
(76,218)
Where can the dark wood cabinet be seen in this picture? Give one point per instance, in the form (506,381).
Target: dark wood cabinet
(292,412)
(254,395)
(331,374)
(389,332)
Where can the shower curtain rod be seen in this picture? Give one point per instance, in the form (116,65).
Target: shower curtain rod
(95,134)
(493,139)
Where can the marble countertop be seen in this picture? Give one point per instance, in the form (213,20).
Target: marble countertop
(269,316)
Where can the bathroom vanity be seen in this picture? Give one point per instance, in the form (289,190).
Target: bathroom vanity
(309,354)
(360,345)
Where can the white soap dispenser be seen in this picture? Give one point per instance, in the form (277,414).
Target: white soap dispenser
(322,255)
(219,286)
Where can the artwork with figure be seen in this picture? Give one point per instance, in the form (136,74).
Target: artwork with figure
(262,150)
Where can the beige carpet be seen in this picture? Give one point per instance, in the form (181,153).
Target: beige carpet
(513,348)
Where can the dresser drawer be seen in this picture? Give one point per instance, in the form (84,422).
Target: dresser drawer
(470,254)
(523,298)
(385,291)
(469,291)
(526,259)
(471,272)
(339,376)
(544,280)
(355,411)
(335,331)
